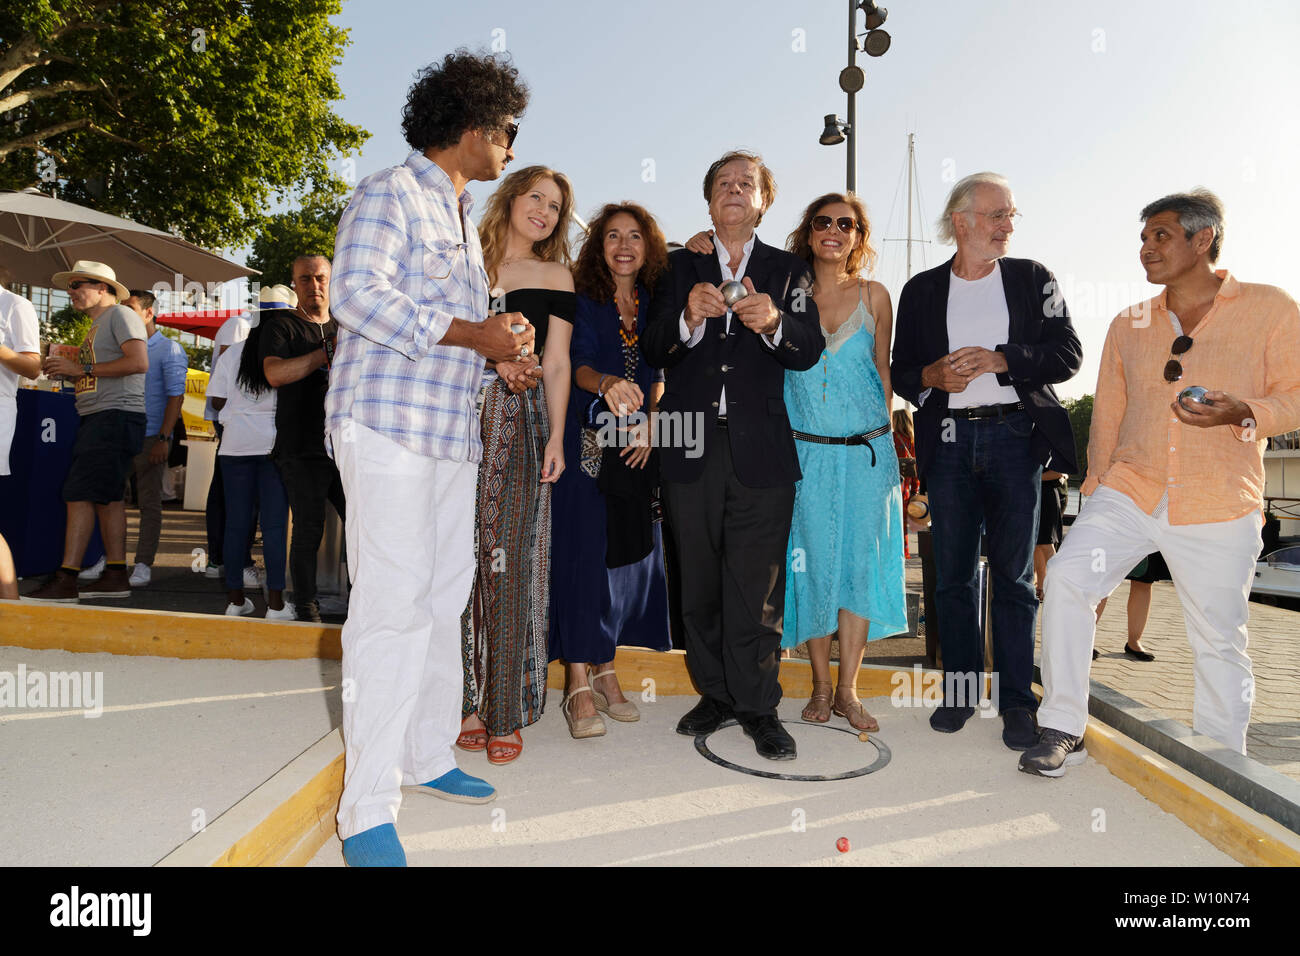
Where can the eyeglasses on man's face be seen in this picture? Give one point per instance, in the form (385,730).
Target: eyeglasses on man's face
(78,283)
(1000,216)
(845,224)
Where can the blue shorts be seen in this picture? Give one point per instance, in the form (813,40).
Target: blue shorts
(107,443)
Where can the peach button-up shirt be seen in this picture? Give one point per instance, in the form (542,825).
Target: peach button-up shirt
(1248,345)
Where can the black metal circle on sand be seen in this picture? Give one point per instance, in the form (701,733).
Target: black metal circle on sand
(882,756)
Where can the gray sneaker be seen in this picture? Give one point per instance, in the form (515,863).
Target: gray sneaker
(1054,751)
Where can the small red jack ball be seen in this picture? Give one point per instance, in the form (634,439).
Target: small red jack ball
(842,844)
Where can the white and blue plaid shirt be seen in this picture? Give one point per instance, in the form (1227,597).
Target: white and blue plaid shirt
(403,269)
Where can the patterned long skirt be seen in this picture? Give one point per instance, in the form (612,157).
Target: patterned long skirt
(504,628)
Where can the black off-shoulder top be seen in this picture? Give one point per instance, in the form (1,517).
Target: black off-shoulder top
(538,305)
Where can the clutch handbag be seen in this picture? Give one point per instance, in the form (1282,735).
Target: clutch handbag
(589,450)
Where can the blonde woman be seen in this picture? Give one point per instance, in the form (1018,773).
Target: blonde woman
(505,625)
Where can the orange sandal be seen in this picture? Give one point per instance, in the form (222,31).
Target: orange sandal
(509,749)
(473,740)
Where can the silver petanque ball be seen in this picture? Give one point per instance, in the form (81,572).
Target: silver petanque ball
(518,327)
(732,292)
(1194,394)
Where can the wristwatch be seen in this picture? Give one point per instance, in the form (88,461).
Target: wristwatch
(161,437)
(89,369)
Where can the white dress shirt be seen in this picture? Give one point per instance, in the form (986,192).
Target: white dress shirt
(691,339)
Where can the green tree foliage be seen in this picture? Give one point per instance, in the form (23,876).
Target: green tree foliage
(1080,410)
(66,326)
(309,230)
(185,115)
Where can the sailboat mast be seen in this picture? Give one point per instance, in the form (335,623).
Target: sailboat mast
(911,163)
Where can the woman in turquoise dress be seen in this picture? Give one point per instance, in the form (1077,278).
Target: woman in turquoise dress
(844,561)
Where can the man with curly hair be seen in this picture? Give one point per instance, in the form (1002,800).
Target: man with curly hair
(411,299)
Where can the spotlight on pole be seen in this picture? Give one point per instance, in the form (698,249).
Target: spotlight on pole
(875,16)
(834,132)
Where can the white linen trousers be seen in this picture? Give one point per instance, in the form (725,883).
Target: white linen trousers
(410,546)
(1212,566)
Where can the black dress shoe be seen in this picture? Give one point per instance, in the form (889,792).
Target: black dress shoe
(1019,728)
(949,720)
(704,718)
(770,739)
(1138,655)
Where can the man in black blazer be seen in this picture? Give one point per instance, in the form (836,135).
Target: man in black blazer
(730,492)
(979,342)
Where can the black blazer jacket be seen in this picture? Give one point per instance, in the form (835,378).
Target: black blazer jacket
(762,447)
(1041,349)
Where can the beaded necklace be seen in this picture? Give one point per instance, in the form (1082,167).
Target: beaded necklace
(630,338)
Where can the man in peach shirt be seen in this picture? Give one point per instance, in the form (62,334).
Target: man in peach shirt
(1180,477)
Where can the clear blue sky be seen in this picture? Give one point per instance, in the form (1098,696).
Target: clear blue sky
(1091,110)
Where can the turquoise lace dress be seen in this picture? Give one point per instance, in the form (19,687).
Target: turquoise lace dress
(846,539)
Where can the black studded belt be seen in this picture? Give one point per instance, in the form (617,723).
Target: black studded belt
(848,440)
(986,411)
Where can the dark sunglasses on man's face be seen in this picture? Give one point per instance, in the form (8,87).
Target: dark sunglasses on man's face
(844,224)
(78,283)
(1174,368)
(511,130)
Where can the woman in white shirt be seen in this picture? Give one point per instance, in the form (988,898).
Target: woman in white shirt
(240,391)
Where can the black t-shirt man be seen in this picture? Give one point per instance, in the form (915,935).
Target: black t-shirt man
(300,405)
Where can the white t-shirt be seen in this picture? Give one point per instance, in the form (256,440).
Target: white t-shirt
(20,332)
(977,315)
(249,421)
(234,329)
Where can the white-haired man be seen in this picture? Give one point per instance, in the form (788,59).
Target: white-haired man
(1175,475)
(980,341)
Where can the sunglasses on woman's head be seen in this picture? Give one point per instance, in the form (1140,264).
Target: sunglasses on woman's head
(843,224)
(1174,368)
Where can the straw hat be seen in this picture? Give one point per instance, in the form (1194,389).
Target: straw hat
(276,297)
(86,269)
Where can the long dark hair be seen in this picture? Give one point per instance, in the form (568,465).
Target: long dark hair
(250,377)
(591,275)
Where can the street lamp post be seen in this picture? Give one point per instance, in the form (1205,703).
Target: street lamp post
(852,79)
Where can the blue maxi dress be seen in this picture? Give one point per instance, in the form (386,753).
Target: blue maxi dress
(595,608)
(846,537)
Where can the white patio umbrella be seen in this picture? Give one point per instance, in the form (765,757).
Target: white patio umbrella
(40,236)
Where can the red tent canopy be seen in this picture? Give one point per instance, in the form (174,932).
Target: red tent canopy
(204,322)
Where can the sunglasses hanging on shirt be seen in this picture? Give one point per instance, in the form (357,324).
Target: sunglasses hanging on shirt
(1174,368)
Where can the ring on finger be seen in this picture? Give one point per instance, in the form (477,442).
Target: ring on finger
(523,352)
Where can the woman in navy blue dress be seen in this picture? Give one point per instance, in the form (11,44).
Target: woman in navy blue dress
(607,572)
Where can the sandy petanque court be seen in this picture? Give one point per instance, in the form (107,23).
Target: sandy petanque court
(642,795)
(178,743)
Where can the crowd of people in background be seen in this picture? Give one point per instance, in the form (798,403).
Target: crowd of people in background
(487,413)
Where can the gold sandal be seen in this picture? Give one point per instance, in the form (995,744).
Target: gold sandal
(818,710)
(864,721)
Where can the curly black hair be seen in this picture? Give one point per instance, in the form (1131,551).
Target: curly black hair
(465,91)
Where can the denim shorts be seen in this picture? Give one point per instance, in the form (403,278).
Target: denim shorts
(107,443)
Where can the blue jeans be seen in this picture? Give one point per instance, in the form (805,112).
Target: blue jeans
(252,483)
(986,479)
